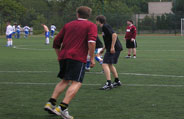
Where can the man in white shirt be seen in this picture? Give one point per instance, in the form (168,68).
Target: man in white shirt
(14,29)
(18,28)
(26,30)
(9,31)
(52,28)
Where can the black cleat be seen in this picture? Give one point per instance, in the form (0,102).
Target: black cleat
(116,84)
(107,87)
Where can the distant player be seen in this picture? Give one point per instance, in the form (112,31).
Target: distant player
(47,33)
(26,31)
(98,55)
(113,49)
(14,29)
(52,28)
(9,32)
(130,38)
(72,44)
(18,29)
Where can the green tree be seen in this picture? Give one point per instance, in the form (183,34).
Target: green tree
(11,10)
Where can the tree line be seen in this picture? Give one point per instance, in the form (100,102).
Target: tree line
(58,12)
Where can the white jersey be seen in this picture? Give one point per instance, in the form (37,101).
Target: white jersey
(26,28)
(14,28)
(18,28)
(53,28)
(9,30)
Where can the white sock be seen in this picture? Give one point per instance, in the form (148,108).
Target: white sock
(47,40)
(11,42)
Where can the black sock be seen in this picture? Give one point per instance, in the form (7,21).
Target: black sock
(116,79)
(63,106)
(109,82)
(52,101)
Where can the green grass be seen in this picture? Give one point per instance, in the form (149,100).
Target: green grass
(157,95)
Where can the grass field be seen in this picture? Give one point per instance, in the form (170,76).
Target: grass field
(153,84)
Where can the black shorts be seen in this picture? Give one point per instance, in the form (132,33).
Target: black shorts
(130,44)
(71,70)
(111,58)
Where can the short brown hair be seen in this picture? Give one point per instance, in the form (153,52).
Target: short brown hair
(101,19)
(84,12)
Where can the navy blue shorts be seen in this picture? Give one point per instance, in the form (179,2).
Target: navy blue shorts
(71,70)
(111,58)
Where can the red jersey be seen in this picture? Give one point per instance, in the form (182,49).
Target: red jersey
(73,40)
(130,32)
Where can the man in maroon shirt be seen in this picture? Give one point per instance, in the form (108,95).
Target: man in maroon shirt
(72,45)
(130,38)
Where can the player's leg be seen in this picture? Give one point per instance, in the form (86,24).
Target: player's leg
(75,73)
(50,105)
(108,84)
(98,56)
(115,75)
(128,45)
(47,38)
(60,87)
(134,44)
(11,42)
(71,92)
(134,52)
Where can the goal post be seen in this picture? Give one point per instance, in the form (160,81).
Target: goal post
(182,26)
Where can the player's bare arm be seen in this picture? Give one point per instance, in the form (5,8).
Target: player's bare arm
(92,46)
(114,38)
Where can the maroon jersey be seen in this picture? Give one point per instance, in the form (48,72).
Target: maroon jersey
(73,40)
(130,32)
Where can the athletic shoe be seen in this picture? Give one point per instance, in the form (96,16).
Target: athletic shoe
(49,108)
(116,84)
(87,69)
(134,57)
(63,113)
(106,87)
(127,56)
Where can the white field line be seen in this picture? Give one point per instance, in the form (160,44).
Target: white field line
(25,48)
(129,85)
(162,50)
(30,48)
(100,73)
(139,74)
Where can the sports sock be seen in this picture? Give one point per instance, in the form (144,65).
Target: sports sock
(109,82)
(63,106)
(134,55)
(47,40)
(88,64)
(11,42)
(129,54)
(52,101)
(99,59)
(116,79)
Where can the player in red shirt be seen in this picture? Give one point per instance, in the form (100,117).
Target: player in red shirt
(130,38)
(72,45)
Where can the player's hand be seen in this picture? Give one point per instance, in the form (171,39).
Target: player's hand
(132,40)
(92,63)
(112,51)
(125,39)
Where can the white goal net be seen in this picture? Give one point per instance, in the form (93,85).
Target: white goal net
(182,26)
